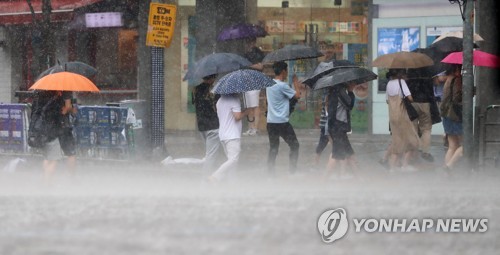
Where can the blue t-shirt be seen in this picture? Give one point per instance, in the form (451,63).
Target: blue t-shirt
(278,106)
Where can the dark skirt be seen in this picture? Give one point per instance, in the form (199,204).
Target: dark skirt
(452,127)
(341,147)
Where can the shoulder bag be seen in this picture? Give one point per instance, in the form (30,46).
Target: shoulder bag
(412,113)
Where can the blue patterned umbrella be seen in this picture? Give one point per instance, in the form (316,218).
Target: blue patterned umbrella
(242,81)
(216,63)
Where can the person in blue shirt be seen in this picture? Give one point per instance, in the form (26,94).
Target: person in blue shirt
(278,112)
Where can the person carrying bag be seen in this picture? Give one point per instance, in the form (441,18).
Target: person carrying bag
(412,113)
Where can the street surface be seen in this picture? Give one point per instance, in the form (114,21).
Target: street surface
(147,208)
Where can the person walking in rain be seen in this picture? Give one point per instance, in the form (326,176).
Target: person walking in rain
(404,138)
(324,137)
(340,104)
(452,117)
(255,56)
(52,103)
(208,123)
(422,92)
(66,138)
(230,117)
(278,112)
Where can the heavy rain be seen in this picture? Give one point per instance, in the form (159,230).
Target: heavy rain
(130,127)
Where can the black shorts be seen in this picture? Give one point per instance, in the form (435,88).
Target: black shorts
(341,147)
(67,142)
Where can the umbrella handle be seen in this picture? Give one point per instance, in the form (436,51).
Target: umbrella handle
(250,120)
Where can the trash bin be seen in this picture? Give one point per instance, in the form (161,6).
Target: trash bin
(141,129)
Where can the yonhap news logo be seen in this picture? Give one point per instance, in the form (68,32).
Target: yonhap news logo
(333,225)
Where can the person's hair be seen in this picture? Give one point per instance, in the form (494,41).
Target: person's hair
(395,72)
(255,55)
(209,77)
(451,68)
(279,67)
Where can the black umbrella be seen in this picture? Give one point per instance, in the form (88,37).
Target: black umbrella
(216,63)
(325,68)
(72,67)
(346,75)
(452,42)
(436,56)
(292,52)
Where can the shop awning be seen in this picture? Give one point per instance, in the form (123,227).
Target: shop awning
(18,12)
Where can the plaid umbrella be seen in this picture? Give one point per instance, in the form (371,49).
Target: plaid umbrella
(345,75)
(216,63)
(242,81)
(292,52)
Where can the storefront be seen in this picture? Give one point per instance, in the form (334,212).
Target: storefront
(400,27)
(102,34)
(339,31)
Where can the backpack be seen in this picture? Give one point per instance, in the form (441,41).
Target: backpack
(39,127)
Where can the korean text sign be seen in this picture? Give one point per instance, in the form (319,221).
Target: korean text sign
(161,24)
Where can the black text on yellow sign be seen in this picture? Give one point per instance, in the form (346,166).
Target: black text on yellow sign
(161,24)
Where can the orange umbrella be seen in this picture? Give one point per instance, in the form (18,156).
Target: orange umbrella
(65,81)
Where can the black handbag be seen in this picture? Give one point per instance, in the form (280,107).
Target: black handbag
(412,113)
(435,115)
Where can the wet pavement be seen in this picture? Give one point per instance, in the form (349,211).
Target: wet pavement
(116,207)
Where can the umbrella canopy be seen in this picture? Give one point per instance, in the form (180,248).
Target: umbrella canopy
(403,59)
(242,81)
(72,67)
(64,81)
(325,68)
(479,58)
(345,75)
(458,34)
(436,56)
(216,63)
(241,31)
(452,41)
(292,52)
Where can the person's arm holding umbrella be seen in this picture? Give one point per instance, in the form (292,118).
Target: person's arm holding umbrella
(297,86)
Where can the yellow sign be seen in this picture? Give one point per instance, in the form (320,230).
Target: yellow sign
(161,24)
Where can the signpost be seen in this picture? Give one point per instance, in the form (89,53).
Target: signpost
(161,25)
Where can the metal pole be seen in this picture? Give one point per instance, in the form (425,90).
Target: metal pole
(468,85)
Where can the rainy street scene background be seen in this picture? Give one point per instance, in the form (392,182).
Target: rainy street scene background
(149,127)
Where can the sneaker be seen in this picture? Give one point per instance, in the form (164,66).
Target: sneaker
(427,156)
(250,132)
(409,169)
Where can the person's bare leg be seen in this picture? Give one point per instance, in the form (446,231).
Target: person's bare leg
(49,167)
(453,144)
(330,167)
(256,115)
(456,156)
(393,161)
(71,164)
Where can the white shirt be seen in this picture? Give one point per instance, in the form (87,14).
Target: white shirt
(229,127)
(393,89)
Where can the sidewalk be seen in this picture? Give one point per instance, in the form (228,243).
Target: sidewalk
(369,149)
